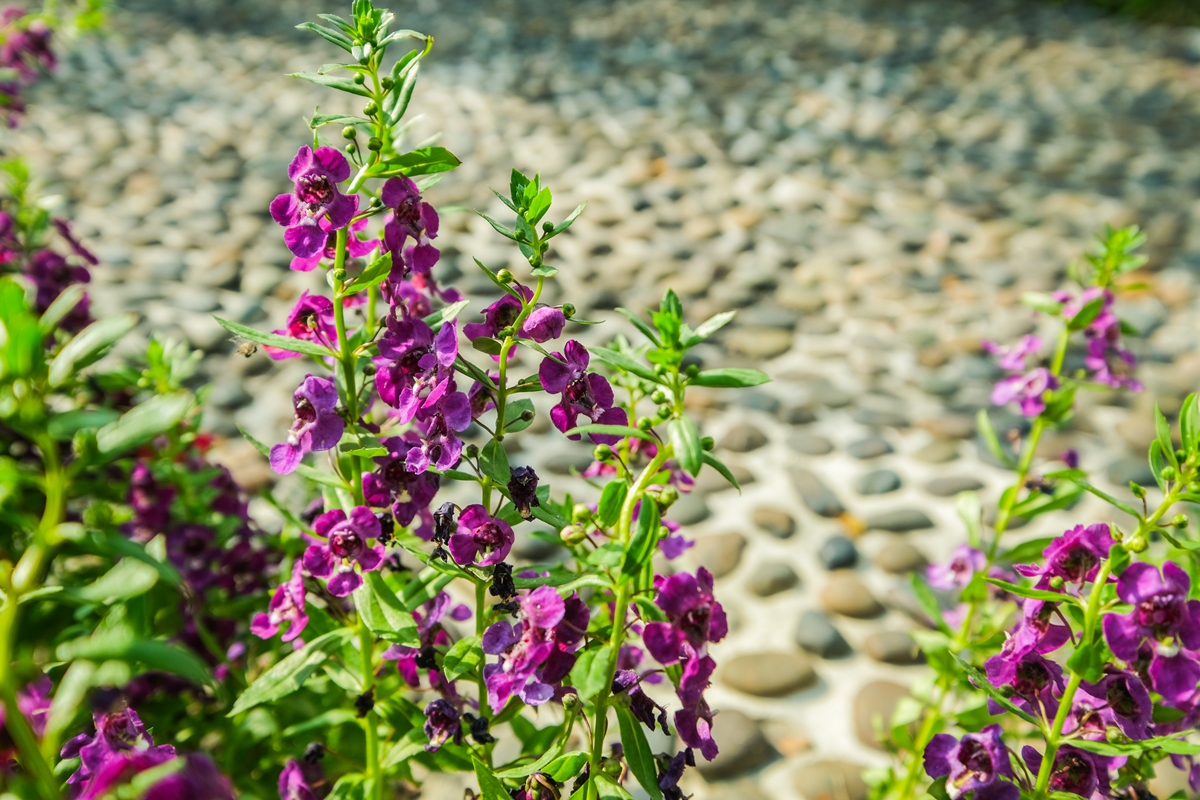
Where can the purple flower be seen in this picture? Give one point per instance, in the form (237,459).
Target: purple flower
(1012,359)
(1162,614)
(644,709)
(958,571)
(197,778)
(1037,631)
(1034,679)
(522,489)
(668,780)
(978,762)
(674,545)
(310,320)
(293,784)
(693,722)
(442,723)
(479,532)
(317,427)
(118,732)
(393,484)
(583,393)
(440,445)
(151,502)
(1075,556)
(1075,771)
(1110,363)
(1028,390)
(542,324)
(1120,699)
(346,545)
(316,195)
(535,653)
(287,605)
(193,551)
(414,368)
(50,274)
(695,618)
(33,701)
(355,247)
(120,768)
(430,633)
(25,49)
(64,230)
(411,218)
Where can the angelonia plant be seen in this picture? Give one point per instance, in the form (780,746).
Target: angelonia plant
(1068,665)
(25,46)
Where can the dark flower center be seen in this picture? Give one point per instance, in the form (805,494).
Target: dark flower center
(579,392)
(305,411)
(345,544)
(488,536)
(1120,700)
(307,319)
(1075,774)
(1161,612)
(506,315)
(408,213)
(1077,563)
(397,474)
(978,761)
(314,190)
(694,623)
(1032,677)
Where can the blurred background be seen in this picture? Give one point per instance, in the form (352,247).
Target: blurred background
(874,184)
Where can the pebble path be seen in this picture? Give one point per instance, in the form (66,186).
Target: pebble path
(874,184)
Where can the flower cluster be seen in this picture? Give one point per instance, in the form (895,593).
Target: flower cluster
(25,54)
(50,271)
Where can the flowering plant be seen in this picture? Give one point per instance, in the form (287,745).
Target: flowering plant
(1063,666)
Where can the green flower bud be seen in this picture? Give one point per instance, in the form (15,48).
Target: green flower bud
(1180,521)
(572,704)
(708,443)
(359,78)
(349,132)
(602,453)
(351,148)
(527,414)
(568,310)
(369,369)
(84,444)
(645,423)
(665,412)
(1168,473)
(374,144)
(1181,455)
(663,531)
(504,276)
(1137,544)
(547,227)
(1137,490)
(1056,582)
(572,535)
(472,451)
(691,370)
(667,497)
(659,396)
(387,84)
(580,514)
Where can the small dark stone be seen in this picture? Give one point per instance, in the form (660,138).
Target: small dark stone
(951,485)
(818,497)
(874,707)
(880,481)
(893,647)
(743,439)
(880,419)
(873,447)
(939,451)
(772,578)
(774,521)
(847,595)
(817,635)
(900,520)
(838,552)
(810,444)
(758,401)
(719,553)
(1130,468)
(799,415)
(743,747)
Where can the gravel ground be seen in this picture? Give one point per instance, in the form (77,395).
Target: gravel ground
(875,183)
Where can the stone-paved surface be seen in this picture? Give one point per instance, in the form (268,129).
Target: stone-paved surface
(875,183)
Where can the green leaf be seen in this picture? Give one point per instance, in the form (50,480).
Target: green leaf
(341,84)
(464,656)
(542,761)
(64,426)
(336,37)
(487,345)
(719,466)
(1157,463)
(121,644)
(88,345)
(143,422)
(513,412)
(62,305)
(984,423)
(613,430)
(539,206)
(1086,315)
(110,543)
(1088,661)
(641,547)
(1032,594)
(640,324)
(610,789)
(969,511)
(328,720)
(399,621)
(1168,744)
(290,674)
(426,161)
(928,602)
(404,76)
(275,340)
(410,744)
(710,326)
(591,672)
(489,785)
(1189,424)
(611,500)
(637,752)
(320,120)
(373,275)
(1040,301)
(730,378)
(504,231)
(980,680)
(686,441)
(623,362)
(1105,496)
(549,272)
(445,314)
(493,461)
(566,223)
(128,578)
(1027,551)
(1163,430)
(566,766)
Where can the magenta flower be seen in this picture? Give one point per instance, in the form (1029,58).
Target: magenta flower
(430,634)
(316,195)
(415,368)
(1012,359)
(1027,390)
(1034,680)
(1037,632)
(1120,699)
(1111,364)
(317,427)
(25,50)
(549,626)
(50,274)
(287,605)
(64,230)
(1162,614)
(393,484)
(33,701)
(355,247)
(294,784)
(695,618)
(644,709)
(412,218)
(1076,771)
(542,324)
(310,320)
(196,779)
(958,571)
(345,545)
(1075,556)
(440,445)
(978,762)
(1072,307)
(583,393)
(443,723)
(118,733)
(479,532)
(693,722)
(151,502)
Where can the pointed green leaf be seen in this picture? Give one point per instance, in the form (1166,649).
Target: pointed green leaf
(592,671)
(611,500)
(637,752)
(490,786)
(612,430)
(463,657)
(719,466)
(984,423)
(623,362)
(275,340)
(493,461)
(686,441)
(645,538)
(63,304)
(290,674)
(88,345)
(143,422)
(731,378)
(373,275)
(341,84)
(336,37)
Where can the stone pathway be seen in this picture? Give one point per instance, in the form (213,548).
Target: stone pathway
(875,183)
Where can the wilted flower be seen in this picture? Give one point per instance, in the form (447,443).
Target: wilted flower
(317,426)
(316,175)
(1075,771)
(346,545)
(522,488)
(583,393)
(442,723)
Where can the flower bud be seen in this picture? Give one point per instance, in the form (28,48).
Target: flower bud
(387,84)
(369,369)
(527,414)
(374,144)
(1168,473)
(663,531)
(1056,582)
(691,370)
(659,396)
(1180,521)
(1181,455)
(568,310)
(665,411)
(351,148)
(359,78)
(84,444)
(1137,544)
(708,443)
(571,703)
(472,451)
(547,227)
(645,423)
(602,453)
(572,534)
(667,496)
(349,132)
(580,514)
(1137,490)
(504,276)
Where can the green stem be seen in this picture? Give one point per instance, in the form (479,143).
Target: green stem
(480,619)
(366,645)
(916,765)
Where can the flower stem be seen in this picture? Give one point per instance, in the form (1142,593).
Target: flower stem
(346,356)
(366,645)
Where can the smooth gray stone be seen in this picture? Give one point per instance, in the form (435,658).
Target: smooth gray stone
(810,444)
(817,496)
(950,485)
(899,557)
(901,520)
(742,747)
(880,481)
(743,439)
(893,647)
(846,594)
(768,674)
(872,447)
(838,552)
(817,635)
(774,521)
(771,579)
(873,709)
(880,419)
(830,780)
(1130,468)
(690,509)
(719,553)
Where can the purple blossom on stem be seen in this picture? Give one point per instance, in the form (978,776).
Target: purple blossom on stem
(978,762)
(316,195)
(393,484)
(118,732)
(317,427)
(1120,699)
(668,780)
(310,320)
(693,722)
(440,445)
(443,723)
(583,393)
(151,502)
(346,545)
(430,633)
(293,784)
(414,367)
(50,274)
(196,779)
(33,701)
(1111,364)
(1034,679)
(1075,771)
(695,618)
(25,49)
(1027,390)
(355,247)
(1074,557)
(412,218)
(287,605)
(534,653)
(542,324)
(1163,615)
(958,571)
(644,709)
(1012,359)
(479,532)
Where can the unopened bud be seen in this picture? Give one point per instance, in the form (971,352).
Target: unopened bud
(369,369)
(708,443)
(1137,490)
(659,396)
(351,148)
(1180,521)
(602,453)
(1137,544)
(359,78)
(547,227)
(527,414)
(665,411)
(572,534)
(1168,473)
(1181,455)
(571,703)
(568,310)
(667,496)
(504,276)
(691,370)
(84,444)
(645,423)
(580,514)
(472,451)
(374,144)
(349,132)
(1056,582)
(663,531)
(387,84)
